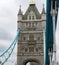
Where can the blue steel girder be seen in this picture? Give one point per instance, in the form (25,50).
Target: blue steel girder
(49,27)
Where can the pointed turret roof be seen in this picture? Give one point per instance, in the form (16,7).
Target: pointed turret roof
(32,7)
(43,10)
(20,12)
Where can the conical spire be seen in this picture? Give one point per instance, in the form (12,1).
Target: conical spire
(43,10)
(20,12)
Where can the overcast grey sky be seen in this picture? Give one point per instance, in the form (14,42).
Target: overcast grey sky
(8,22)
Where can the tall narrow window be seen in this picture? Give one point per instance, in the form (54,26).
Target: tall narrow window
(36,49)
(36,23)
(29,17)
(29,24)
(26,49)
(38,38)
(32,17)
(24,38)
(32,24)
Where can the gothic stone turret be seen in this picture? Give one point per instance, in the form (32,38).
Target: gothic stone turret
(30,44)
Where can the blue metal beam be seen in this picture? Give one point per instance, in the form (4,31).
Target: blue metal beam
(49,27)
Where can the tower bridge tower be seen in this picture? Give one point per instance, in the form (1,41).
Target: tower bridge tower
(30,44)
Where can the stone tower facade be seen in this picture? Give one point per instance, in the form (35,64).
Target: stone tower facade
(30,44)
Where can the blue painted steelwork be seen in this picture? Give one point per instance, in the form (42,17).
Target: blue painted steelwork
(49,27)
(9,50)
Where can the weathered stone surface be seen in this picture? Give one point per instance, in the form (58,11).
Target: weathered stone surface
(30,44)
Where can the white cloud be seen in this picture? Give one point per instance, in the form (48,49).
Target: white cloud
(8,24)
